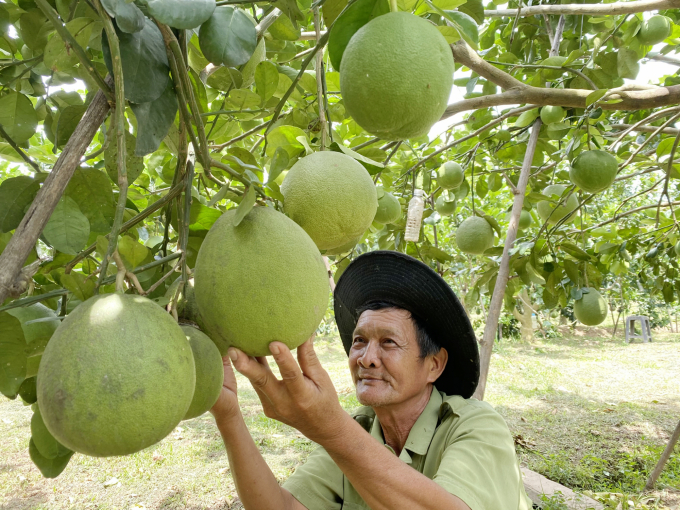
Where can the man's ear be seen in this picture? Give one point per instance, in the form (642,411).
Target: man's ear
(437,365)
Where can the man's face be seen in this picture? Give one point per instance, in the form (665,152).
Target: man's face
(385,359)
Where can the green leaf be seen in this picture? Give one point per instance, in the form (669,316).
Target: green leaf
(67,123)
(346,25)
(572,270)
(228,38)
(18,117)
(182,14)
(134,165)
(57,57)
(266,79)
(44,441)
(526,118)
(450,33)
(330,10)
(465,24)
(474,9)
(574,251)
(278,164)
(243,99)
(34,29)
(50,468)
(291,9)
(247,203)
(285,137)
(16,194)
(284,30)
(12,355)
(627,65)
(129,18)
(595,96)
(80,285)
(154,120)
(145,63)
(225,78)
(67,230)
(91,190)
(132,252)
(337,147)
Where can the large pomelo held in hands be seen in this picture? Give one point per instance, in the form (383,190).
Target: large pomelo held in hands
(591,309)
(545,207)
(331,196)
(593,171)
(396,76)
(209,372)
(259,282)
(117,376)
(474,235)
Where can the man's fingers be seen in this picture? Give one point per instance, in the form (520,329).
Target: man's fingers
(260,375)
(309,362)
(288,367)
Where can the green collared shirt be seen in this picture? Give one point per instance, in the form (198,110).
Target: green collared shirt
(462,444)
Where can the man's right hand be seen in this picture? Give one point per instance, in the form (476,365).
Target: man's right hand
(227,403)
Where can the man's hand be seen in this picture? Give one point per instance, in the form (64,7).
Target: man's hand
(304,398)
(227,402)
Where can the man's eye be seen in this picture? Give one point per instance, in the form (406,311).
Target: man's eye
(389,341)
(358,340)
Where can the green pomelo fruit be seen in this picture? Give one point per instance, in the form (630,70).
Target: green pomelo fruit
(345,248)
(117,376)
(450,175)
(654,30)
(443,207)
(525,220)
(187,308)
(552,114)
(591,309)
(248,71)
(209,372)
(396,76)
(331,196)
(28,391)
(474,236)
(261,281)
(593,171)
(553,74)
(545,207)
(38,324)
(389,209)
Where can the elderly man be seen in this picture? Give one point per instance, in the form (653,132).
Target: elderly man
(419,443)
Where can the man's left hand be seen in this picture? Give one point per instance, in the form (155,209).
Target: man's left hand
(304,398)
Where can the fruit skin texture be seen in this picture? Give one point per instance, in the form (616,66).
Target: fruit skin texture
(260,282)
(209,372)
(474,235)
(389,209)
(396,76)
(331,196)
(552,114)
(450,175)
(593,171)
(525,220)
(444,208)
(117,376)
(591,309)
(545,207)
(654,30)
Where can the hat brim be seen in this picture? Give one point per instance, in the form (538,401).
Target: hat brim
(412,285)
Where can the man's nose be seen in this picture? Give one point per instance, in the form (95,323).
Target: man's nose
(370,357)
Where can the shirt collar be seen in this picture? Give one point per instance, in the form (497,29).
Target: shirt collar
(420,436)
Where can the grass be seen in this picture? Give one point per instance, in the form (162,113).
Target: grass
(589,412)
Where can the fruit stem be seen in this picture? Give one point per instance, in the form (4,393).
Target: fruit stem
(393,6)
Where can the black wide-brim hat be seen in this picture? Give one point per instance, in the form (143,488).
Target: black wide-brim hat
(407,283)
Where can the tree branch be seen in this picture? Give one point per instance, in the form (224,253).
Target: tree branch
(589,9)
(19,150)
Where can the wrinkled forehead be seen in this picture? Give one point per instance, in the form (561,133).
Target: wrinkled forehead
(386,321)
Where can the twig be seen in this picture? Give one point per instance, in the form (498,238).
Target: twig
(19,150)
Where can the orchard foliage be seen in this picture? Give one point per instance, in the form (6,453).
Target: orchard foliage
(211,105)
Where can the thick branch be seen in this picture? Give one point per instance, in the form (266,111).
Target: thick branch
(467,56)
(645,129)
(589,9)
(30,228)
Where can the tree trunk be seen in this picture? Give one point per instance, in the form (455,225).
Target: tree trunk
(651,482)
(524,318)
(486,345)
(31,226)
